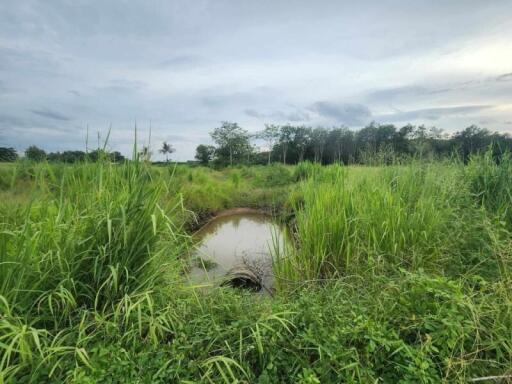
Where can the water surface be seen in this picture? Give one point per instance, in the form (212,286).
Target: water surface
(239,239)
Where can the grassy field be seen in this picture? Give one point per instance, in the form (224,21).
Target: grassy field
(397,274)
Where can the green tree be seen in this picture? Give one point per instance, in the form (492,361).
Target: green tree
(270,135)
(301,141)
(8,154)
(232,141)
(285,137)
(319,140)
(205,153)
(471,140)
(340,146)
(35,154)
(167,149)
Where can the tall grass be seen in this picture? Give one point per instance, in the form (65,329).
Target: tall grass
(418,216)
(398,274)
(490,182)
(90,247)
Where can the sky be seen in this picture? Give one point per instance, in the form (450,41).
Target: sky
(70,69)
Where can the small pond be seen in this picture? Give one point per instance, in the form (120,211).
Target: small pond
(239,241)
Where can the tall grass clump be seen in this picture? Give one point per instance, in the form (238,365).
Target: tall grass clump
(491,183)
(412,217)
(89,248)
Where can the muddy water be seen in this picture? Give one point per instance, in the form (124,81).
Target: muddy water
(233,240)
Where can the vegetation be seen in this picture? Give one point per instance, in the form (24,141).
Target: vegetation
(232,143)
(397,274)
(374,143)
(35,154)
(8,155)
(204,154)
(167,149)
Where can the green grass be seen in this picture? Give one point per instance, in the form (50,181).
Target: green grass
(397,274)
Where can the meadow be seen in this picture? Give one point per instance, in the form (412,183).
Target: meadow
(398,274)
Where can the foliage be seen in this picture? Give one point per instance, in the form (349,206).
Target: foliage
(167,149)
(373,144)
(270,135)
(35,154)
(8,155)
(232,143)
(204,153)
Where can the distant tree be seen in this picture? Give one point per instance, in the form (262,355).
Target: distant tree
(205,153)
(301,140)
(270,135)
(319,140)
(285,137)
(401,139)
(8,154)
(366,139)
(340,145)
(116,157)
(66,156)
(96,155)
(35,154)
(471,140)
(232,141)
(167,149)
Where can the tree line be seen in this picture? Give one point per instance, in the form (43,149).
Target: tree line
(291,144)
(35,153)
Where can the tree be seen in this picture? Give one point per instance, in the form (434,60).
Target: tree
(67,156)
(116,157)
(167,149)
(301,141)
(232,141)
(205,153)
(471,140)
(340,145)
(35,154)
(270,135)
(319,139)
(8,154)
(401,139)
(285,137)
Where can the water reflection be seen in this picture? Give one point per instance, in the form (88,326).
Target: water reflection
(228,241)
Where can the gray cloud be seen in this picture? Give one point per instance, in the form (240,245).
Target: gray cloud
(433,113)
(49,114)
(344,113)
(280,116)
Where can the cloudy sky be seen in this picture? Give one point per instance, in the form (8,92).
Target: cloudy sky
(185,66)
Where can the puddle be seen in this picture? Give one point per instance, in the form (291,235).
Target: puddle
(235,242)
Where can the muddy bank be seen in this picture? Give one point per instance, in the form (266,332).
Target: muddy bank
(200,219)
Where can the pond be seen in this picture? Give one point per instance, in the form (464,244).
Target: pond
(238,244)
